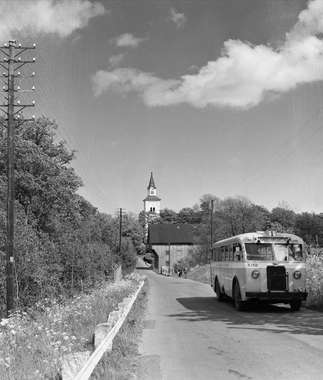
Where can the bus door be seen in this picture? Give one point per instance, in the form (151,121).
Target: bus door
(237,269)
(211,262)
(226,269)
(221,266)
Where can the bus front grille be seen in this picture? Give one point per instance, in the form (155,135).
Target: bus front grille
(276,278)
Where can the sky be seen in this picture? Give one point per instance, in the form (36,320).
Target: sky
(213,96)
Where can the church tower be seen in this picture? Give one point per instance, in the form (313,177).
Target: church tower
(152,202)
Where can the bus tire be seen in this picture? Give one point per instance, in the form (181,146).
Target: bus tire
(219,294)
(295,305)
(238,303)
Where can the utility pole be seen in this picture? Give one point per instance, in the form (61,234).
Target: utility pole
(120,229)
(169,264)
(211,239)
(211,226)
(11,62)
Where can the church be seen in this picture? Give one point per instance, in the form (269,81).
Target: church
(167,243)
(151,202)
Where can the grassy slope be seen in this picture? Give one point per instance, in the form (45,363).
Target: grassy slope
(33,344)
(200,273)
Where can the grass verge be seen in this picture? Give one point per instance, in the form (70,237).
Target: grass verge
(33,343)
(121,362)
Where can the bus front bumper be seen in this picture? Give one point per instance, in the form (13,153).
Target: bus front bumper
(277,296)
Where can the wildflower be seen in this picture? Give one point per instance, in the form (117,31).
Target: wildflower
(4,322)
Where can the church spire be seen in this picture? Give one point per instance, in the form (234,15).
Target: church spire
(151,182)
(151,203)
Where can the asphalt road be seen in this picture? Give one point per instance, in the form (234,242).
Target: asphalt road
(188,334)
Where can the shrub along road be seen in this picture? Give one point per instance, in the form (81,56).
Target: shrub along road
(189,335)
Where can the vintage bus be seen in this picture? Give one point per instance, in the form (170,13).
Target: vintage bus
(265,266)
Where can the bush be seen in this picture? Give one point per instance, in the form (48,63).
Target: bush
(314,282)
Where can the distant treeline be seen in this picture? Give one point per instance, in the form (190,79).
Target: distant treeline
(236,215)
(62,243)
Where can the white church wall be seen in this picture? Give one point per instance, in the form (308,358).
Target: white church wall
(152,204)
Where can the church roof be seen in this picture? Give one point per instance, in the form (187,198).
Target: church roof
(152,198)
(151,182)
(167,233)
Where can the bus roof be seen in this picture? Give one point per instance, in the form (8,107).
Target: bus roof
(251,236)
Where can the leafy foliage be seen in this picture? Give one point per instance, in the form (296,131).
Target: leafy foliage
(62,243)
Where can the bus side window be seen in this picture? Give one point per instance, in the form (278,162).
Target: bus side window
(223,253)
(237,252)
(231,253)
(218,254)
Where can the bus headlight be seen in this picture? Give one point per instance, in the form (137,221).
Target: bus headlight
(297,275)
(255,274)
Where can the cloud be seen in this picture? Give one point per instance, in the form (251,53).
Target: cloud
(114,60)
(127,40)
(243,75)
(60,17)
(178,19)
(125,80)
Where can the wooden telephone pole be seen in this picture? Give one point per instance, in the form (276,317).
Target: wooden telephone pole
(11,62)
(120,230)
(211,226)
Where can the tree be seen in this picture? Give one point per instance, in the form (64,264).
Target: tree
(309,227)
(189,215)
(133,231)
(286,218)
(168,216)
(240,215)
(205,202)
(45,181)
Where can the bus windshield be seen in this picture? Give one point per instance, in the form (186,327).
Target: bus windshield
(290,252)
(263,251)
(277,252)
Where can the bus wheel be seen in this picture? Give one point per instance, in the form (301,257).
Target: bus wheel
(238,303)
(219,294)
(295,305)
